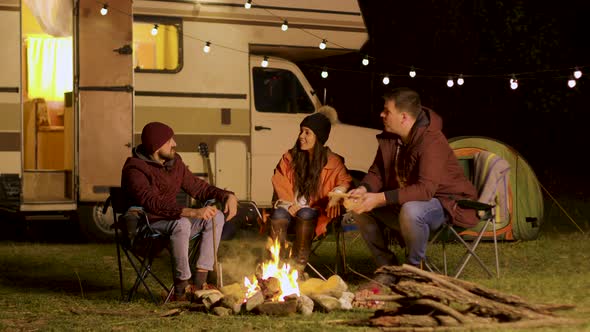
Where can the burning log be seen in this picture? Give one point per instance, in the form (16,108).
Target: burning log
(429,301)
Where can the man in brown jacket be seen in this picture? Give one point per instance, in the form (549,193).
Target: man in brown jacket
(414,182)
(152,178)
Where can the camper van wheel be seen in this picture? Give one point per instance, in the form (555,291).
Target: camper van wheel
(94,224)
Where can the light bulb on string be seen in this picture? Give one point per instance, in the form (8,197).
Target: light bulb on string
(285,25)
(325,72)
(207,47)
(365,61)
(460,80)
(264,62)
(155,30)
(412,72)
(104,10)
(577,73)
(323,44)
(571,82)
(248,4)
(450,82)
(386,80)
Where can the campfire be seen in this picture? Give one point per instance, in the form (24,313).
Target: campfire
(278,280)
(275,289)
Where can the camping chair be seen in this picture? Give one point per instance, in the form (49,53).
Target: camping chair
(140,244)
(449,232)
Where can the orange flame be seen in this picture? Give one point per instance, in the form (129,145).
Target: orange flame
(286,276)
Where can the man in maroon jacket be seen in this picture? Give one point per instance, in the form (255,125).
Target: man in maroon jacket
(414,182)
(152,178)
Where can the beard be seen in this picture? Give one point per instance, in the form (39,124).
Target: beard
(167,155)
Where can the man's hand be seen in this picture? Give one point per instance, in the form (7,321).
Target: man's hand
(231,207)
(356,193)
(205,213)
(368,201)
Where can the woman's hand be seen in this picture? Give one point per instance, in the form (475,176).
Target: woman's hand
(333,211)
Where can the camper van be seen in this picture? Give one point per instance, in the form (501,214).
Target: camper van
(81,78)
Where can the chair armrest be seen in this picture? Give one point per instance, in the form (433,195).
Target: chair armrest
(474,205)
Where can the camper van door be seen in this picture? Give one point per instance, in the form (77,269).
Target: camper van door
(105,96)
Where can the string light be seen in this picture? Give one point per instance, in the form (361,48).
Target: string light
(571,82)
(450,82)
(285,25)
(248,4)
(577,73)
(460,80)
(323,44)
(207,47)
(264,62)
(386,80)
(513,82)
(155,30)
(365,61)
(104,10)
(325,72)
(412,72)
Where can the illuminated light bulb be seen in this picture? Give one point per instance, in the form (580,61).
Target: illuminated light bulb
(285,25)
(207,47)
(248,4)
(577,73)
(264,62)
(412,72)
(513,82)
(460,80)
(365,61)
(104,10)
(325,73)
(323,44)
(450,82)
(386,80)
(571,82)
(155,30)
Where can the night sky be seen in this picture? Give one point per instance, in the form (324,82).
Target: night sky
(486,41)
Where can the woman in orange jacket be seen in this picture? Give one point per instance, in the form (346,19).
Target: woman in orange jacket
(302,180)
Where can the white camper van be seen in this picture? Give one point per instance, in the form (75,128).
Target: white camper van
(81,78)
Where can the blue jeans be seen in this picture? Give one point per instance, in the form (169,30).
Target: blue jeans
(413,220)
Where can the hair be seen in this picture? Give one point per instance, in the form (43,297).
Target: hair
(307,168)
(405,99)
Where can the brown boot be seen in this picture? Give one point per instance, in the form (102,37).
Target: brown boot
(278,230)
(304,230)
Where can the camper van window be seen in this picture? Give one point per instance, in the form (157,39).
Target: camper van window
(159,52)
(279,91)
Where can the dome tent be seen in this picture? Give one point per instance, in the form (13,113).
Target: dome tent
(524,192)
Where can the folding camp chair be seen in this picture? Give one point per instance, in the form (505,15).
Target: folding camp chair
(449,232)
(135,237)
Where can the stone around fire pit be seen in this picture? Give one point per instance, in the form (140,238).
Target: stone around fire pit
(289,306)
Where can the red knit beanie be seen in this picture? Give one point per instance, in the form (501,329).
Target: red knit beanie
(154,135)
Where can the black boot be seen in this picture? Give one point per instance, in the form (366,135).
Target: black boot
(304,231)
(278,230)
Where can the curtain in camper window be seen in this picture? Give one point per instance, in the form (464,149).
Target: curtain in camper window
(49,67)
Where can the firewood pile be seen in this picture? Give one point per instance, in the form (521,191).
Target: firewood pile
(425,301)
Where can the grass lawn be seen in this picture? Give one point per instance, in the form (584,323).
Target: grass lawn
(75,286)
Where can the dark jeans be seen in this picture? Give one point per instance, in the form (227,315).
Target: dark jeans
(413,220)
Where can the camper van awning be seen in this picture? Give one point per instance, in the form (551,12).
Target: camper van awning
(296,53)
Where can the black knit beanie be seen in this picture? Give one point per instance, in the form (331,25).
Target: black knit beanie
(319,124)
(154,135)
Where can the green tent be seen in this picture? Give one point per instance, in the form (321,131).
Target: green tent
(525,196)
